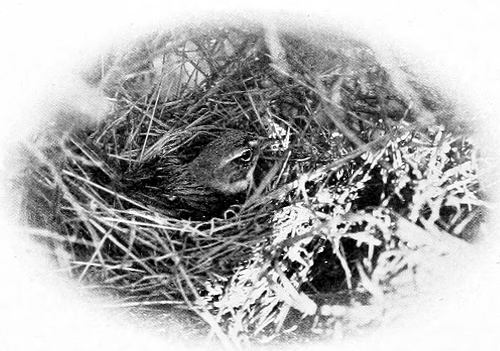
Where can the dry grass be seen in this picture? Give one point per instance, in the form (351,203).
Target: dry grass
(356,193)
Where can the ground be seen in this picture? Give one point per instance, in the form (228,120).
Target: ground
(369,189)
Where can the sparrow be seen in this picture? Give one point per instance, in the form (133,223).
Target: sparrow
(219,176)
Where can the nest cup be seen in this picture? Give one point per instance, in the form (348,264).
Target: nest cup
(367,183)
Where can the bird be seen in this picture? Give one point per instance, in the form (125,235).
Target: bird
(216,178)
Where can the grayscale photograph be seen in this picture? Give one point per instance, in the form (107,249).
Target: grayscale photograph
(244,182)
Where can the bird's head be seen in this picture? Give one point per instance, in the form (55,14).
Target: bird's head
(227,163)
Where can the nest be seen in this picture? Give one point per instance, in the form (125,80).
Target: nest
(356,193)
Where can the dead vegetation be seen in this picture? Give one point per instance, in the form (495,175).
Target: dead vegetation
(354,203)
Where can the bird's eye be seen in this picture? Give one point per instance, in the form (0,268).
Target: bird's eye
(246,156)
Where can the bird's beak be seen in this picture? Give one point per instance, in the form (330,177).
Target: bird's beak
(265,142)
(261,143)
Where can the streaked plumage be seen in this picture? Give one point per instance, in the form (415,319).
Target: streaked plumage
(218,177)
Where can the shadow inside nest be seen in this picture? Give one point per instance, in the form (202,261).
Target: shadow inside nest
(277,195)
